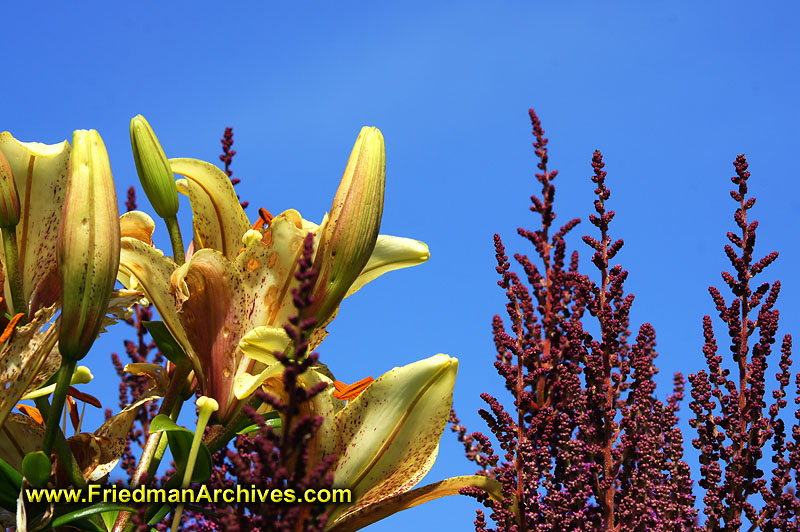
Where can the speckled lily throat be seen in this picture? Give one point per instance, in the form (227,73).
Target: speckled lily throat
(227,305)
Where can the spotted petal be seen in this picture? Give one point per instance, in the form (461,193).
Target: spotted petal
(211,302)
(143,267)
(267,267)
(40,172)
(22,358)
(138,225)
(20,436)
(387,437)
(219,220)
(403,501)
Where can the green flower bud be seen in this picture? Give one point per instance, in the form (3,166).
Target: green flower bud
(9,199)
(36,467)
(153,168)
(349,237)
(88,244)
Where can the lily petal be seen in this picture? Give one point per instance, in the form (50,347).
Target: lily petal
(391,253)
(246,384)
(219,220)
(145,267)
(40,172)
(22,357)
(20,436)
(138,225)
(403,501)
(211,302)
(267,268)
(96,456)
(261,343)
(387,437)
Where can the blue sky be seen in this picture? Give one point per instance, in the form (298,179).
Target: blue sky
(669,94)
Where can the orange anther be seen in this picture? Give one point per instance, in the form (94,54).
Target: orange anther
(347,392)
(74,416)
(32,413)
(265,215)
(10,328)
(85,397)
(264,218)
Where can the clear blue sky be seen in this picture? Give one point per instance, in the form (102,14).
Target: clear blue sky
(670,95)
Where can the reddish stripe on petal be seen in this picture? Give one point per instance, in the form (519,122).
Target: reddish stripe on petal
(213,316)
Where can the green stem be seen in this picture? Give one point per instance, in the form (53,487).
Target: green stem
(62,448)
(162,443)
(234,426)
(177,242)
(150,459)
(59,397)
(207,407)
(12,268)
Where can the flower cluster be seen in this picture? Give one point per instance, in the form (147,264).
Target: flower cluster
(733,420)
(241,309)
(587,445)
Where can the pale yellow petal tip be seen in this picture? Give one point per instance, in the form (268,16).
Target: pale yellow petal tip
(82,375)
(445,359)
(261,343)
(423,252)
(371,130)
(40,149)
(245,384)
(207,403)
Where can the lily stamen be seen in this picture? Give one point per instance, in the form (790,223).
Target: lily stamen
(348,392)
(12,324)
(264,219)
(84,397)
(32,413)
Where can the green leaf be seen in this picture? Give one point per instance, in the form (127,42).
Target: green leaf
(180,442)
(162,512)
(166,343)
(109,518)
(12,479)
(10,484)
(89,511)
(275,423)
(271,419)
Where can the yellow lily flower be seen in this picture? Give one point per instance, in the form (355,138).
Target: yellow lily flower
(385,439)
(40,175)
(237,286)
(29,357)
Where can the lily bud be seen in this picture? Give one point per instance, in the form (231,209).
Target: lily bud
(88,244)
(9,199)
(349,236)
(153,168)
